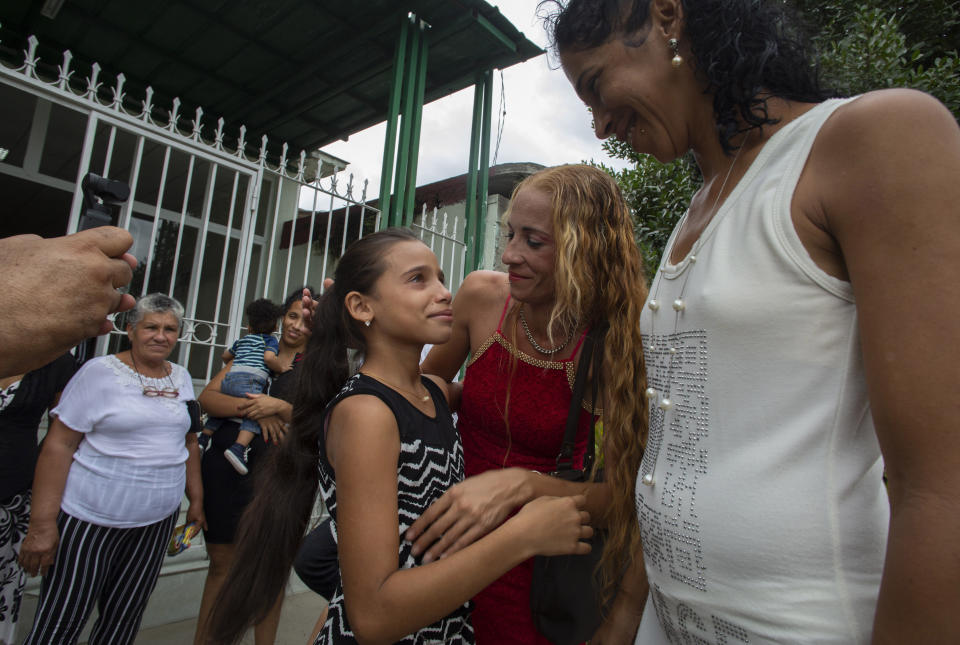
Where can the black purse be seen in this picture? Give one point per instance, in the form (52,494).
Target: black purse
(565,591)
(196,422)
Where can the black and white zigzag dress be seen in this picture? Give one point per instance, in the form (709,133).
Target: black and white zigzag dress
(430,462)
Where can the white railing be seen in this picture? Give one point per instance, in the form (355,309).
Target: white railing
(442,234)
(206,213)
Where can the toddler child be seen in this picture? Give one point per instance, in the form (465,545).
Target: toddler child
(253,357)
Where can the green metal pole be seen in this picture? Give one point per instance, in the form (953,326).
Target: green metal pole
(390,140)
(471,204)
(417,119)
(401,182)
(484,163)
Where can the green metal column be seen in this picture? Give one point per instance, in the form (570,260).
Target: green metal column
(479,170)
(390,140)
(484,164)
(398,182)
(416,119)
(471,201)
(401,181)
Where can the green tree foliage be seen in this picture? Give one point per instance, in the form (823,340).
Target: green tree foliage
(658,195)
(869,45)
(863,44)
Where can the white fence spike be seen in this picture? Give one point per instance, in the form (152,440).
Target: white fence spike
(65,72)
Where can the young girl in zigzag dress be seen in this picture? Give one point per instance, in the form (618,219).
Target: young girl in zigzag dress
(382,446)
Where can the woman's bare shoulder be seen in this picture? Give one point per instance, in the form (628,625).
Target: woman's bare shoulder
(887,120)
(481,289)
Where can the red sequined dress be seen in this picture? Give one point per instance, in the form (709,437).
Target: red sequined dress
(539,400)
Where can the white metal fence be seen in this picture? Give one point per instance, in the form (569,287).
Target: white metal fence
(443,234)
(213,225)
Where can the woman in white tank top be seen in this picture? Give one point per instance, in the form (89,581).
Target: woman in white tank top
(800,334)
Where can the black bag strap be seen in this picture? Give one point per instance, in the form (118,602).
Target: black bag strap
(592,351)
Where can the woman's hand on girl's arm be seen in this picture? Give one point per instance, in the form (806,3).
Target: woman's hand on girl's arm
(39,547)
(258,406)
(468,511)
(477,505)
(385,603)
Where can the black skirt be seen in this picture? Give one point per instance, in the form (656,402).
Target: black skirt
(226,492)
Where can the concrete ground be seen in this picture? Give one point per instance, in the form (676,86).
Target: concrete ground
(297,618)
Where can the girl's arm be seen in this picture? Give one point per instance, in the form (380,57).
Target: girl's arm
(385,603)
(53,465)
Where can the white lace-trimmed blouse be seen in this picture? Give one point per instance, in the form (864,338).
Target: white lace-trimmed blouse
(129,469)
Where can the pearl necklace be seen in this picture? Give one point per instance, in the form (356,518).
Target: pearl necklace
(422,398)
(679,306)
(536,345)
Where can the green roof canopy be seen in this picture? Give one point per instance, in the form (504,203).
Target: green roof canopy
(305,72)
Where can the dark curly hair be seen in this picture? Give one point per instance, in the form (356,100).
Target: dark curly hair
(745,50)
(262,316)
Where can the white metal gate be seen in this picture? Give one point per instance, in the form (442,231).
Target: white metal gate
(444,235)
(213,225)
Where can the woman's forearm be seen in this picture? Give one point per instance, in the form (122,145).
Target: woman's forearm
(218,404)
(918,593)
(284,410)
(597,493)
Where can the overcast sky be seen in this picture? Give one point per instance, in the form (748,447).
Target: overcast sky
(544,123)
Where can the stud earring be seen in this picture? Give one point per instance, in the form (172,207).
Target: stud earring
(674,46)
(366,322)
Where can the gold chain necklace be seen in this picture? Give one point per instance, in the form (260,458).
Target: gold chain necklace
(536,345)
(422,398)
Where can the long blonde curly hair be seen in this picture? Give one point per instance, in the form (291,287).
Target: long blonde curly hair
(599,276)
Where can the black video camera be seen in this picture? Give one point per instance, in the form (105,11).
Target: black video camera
(99,195)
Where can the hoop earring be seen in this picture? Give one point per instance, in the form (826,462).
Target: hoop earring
(674,46)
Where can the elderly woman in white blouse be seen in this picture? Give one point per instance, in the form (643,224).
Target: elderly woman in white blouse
(112,472)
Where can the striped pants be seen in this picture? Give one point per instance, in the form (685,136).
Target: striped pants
(116,568)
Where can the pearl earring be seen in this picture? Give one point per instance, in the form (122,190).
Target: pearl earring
(366,322)
(674,46)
